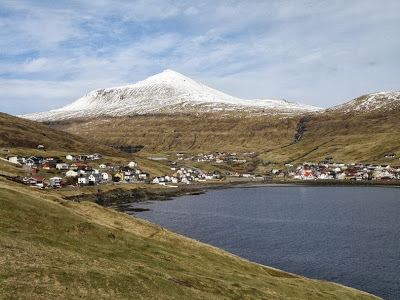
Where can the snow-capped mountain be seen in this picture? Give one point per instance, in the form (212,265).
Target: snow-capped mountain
(383,101)
(168,92)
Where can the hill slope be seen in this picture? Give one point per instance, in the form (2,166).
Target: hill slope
(19,132)
(51,248)
(182,133)
(376,102)
(167,93)
(354,136)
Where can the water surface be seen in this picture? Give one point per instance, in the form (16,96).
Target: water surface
(349,235)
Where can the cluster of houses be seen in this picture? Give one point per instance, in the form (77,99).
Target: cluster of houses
(186,175)
(218,157)
(331,170)
(78,171)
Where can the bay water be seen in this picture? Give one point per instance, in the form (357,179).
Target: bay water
(348,235)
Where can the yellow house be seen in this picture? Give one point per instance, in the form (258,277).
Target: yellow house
(120,176)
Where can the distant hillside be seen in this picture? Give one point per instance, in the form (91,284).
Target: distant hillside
(19,132)
(353,136)
(176,133)
(56,249)
(166,93)
(363,129)
(371,103)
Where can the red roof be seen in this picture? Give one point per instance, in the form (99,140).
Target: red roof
(79,165)
(38,178)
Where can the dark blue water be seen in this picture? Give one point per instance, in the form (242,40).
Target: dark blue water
(349,235)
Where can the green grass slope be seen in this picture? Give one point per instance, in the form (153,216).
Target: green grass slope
(54,249)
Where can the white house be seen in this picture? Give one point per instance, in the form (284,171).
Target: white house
(16,159)
(340,176)
(308,176)
(159,180)
(143,176)
(185,180)
(102,166)
(36,181)
(71,157)
(132,164)
(106,176)
(62,166)
(83,180)
(71,173)
(94,178)
(96,156)
(129,177)
(56,181)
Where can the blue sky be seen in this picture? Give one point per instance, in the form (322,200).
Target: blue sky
(321,53)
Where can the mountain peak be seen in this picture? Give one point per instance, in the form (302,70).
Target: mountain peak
(166,76)
(168,92)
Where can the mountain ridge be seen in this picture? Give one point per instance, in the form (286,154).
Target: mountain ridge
(373,102)
(168,92)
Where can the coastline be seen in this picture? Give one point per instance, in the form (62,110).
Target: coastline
(119,199)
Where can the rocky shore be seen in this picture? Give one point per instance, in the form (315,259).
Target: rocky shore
(119,197)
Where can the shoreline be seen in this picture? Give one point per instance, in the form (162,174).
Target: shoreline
(119,199)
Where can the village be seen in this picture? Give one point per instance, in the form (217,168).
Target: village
(91,169)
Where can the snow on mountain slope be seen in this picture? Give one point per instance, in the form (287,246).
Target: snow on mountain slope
(168,92)
(383,101)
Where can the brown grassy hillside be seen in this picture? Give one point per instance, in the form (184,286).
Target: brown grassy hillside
(18,132)
(55,249)
(357,137)
(163,133)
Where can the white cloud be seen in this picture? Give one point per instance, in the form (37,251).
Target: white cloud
(313,51)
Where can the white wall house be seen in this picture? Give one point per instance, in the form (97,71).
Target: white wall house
(62,166)
(132,164)
(106,176)
(56,181)
(83,180)
(71,173)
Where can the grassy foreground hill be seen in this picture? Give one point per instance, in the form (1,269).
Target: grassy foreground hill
(51,248)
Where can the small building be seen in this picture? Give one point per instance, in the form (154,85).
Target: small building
(71,173)
(36,181)
(143,176)
(62,166)
(96,156)
(112,166)
(57,181)
(83,180)
(71,157)
(133,164)
(16,159)
(106,176)
(46,166)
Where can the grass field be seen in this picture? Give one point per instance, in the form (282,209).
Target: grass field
(54,249)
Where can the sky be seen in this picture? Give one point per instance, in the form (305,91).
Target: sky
(316,52)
